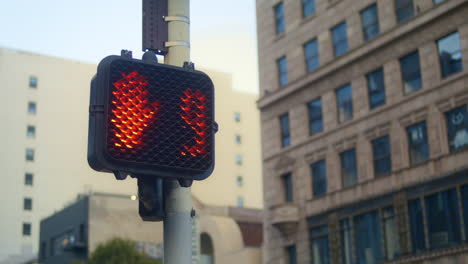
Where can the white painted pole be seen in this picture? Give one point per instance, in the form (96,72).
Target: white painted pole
(178,200)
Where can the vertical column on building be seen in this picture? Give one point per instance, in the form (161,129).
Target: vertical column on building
(387,18)
(354,34)
(334,234)
(464,44)
(429,61)
(399,201)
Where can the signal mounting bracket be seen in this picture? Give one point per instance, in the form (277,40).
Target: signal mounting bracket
(185,183)
(126,53)
(188,65)
(177,18)
(150,57)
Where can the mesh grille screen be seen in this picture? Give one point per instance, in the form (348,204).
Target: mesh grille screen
(160,116)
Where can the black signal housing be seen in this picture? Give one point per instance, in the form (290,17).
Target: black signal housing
(151,119)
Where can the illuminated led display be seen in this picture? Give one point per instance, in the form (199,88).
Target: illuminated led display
(155,120)
(132,113)
(194,115)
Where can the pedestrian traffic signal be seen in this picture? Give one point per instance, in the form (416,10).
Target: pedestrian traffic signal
(151,119)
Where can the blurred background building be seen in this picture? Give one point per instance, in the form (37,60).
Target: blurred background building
(45,117)
(364,126)
(221,234)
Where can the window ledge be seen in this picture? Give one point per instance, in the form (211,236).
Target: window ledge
(436,253)
(285,217)
(307,19)
(319,195)
(461,149)
(332,3)
(279,36)
(343,189)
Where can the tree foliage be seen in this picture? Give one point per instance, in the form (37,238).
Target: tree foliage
(120,251)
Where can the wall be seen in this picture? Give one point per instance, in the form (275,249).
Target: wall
(60,167)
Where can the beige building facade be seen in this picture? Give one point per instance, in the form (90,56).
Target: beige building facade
(45,118)
(96,218)
(364,126)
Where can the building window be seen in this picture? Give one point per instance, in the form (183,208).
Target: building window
(348,167)
(340,40)
(390,230)
(240,181)
(319,178)
(81,234)
(52,247)
(61,240)
(43,251)
(320,249)
(28,179)
(282,71)
(238,139)
(30,154)
(31,131)
(410,72)
(457,128)
(346,236)
(32,82)
(279,18)
(376,88)
(308,7)
(26,229)
(237,117)
(27,204)
(291,254)
(315,116)
(382,156)
(287,187)
(464,198)
(417,143)
(404,10)
(32,108)
(285,136)
(206,249)
(368,238)
(443,220)
(240,202)
(311,55)
(344,101)
(238,159)
(416,219)
(450,55)
(370,22)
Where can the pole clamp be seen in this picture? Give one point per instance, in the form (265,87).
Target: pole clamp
(177,43)
(177,18)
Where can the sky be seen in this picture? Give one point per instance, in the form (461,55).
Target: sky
(223,32)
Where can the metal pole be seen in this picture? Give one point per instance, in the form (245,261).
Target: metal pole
(178,200)
(179,32)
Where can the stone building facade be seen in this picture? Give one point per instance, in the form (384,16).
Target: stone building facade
(364,124)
